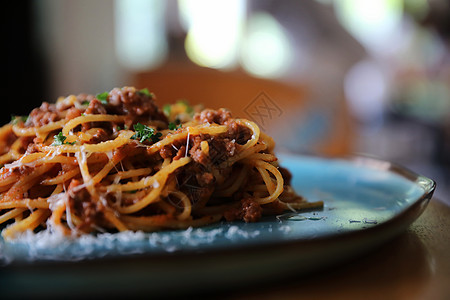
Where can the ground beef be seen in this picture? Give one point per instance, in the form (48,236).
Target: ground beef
(240,133)
(32,148)
(95,108)
(275,207)
(80,202)
(129,101)
(249,211)
(130,150)
(219,116)
(222,116)
(230,146)
(72,113)
(205,178)
(43,115)
(220,148)
(180,153)
(198,194)
(167,152)
(199,174)
(81,98)
(100,135)
(196,152)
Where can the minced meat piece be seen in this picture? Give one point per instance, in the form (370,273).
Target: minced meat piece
(219,116)
(100,135)
(204,179)
(95,108)
(72,113)
(43,115)
(129,101)
(249,211)
(166,152)
(80,201)
(180,153)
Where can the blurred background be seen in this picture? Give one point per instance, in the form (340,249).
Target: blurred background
(322,76)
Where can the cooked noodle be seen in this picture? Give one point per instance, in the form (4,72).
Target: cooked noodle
(116,162)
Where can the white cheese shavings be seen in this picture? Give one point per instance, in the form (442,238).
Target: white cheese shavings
(235,232)
(56,200)
(285,228)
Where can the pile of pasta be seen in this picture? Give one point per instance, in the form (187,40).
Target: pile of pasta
(116,162)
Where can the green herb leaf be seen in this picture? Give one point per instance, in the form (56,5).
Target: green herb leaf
(156,137)
(174,126)
(85,102)
(103,97)
(17,119)
(60,139)
(143,132)
(146,92)
(166,109)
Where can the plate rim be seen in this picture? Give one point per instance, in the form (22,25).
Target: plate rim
(410,214)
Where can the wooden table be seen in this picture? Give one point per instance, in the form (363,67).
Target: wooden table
(414,265)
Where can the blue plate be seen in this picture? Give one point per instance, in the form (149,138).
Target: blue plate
(367,202)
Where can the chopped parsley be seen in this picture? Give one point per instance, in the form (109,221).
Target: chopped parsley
(60,140)
(143,132)
(85,102)
(147,93)
(103,97)
(17,119)
(166,109)
(176,125)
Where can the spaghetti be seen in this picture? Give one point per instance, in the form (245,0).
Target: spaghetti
(116,162)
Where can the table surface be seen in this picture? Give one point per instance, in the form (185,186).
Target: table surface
(414,265)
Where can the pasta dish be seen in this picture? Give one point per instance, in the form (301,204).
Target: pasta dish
(115,161)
